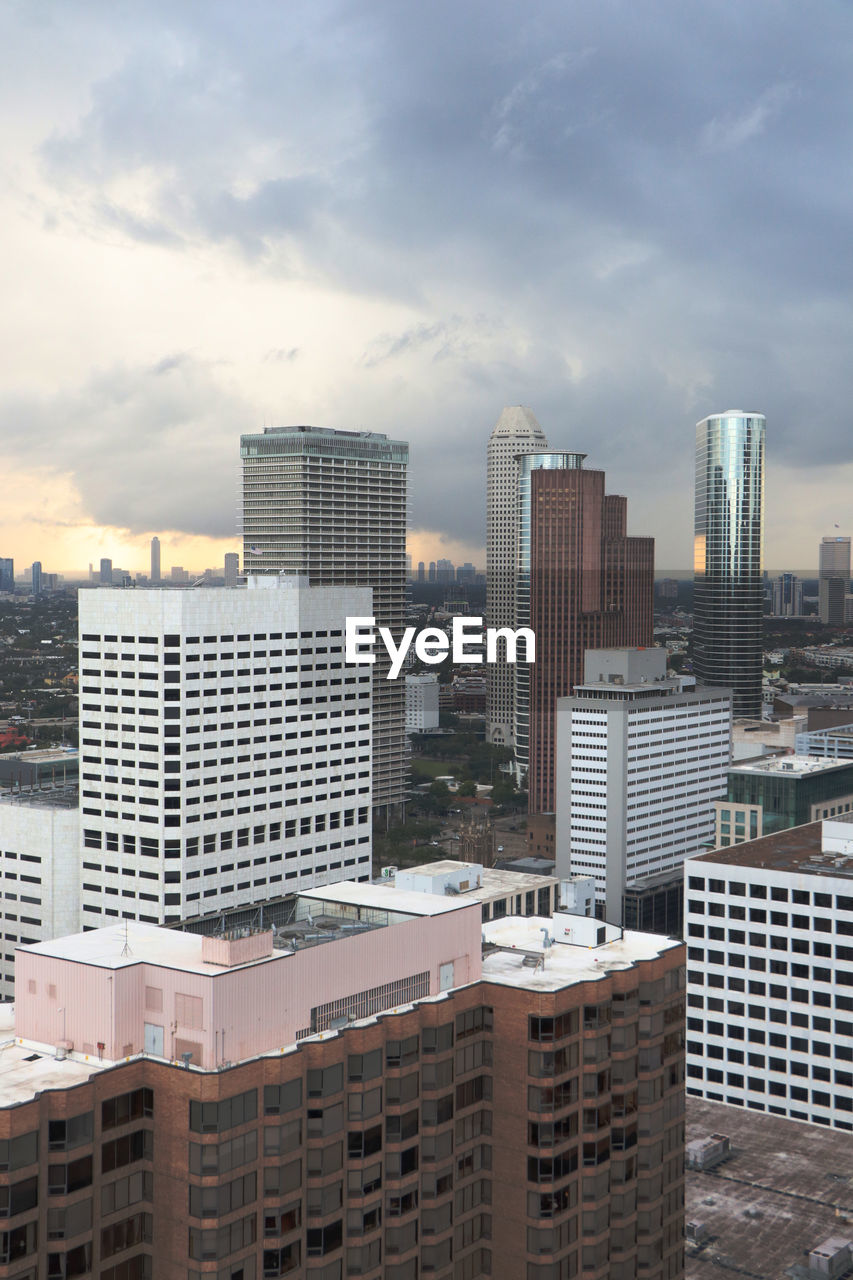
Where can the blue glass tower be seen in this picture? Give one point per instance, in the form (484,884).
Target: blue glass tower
(729,529)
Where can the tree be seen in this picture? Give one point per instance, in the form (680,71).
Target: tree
(467,788)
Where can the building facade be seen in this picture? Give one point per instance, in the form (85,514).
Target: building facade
(516,432)
(421,703)
(7,575)
(155,560)
(833,580)
(835,743)
(225,747)
(641,759)
(39,865)
(232,569)
(765,796)
(787,596)
(331,505)
(494,1121)
(582,584)
(729,531)
(769,928)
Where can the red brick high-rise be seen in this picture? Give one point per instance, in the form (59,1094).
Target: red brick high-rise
(525,1124)
(590,587)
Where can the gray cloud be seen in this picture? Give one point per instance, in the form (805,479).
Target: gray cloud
(148,448)
(281,355)
(626,216)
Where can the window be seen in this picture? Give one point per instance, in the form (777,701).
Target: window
(398,1053)
(222,1157)
(364,1066)
(322,1083)
(126,1107)
(217,1117)
(280,1098)
(17,1153)
(64,1178)
(65,1135)
(138,1145)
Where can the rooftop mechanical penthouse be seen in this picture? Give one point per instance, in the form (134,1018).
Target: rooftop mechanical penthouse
(323,1103)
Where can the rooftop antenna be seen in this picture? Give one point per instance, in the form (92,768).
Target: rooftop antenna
(126,951)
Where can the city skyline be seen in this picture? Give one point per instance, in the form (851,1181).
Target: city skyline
(497,207)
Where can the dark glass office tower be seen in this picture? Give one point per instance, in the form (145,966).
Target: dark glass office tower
(581,584)
(729,529)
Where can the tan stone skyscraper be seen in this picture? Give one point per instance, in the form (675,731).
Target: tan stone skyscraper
(834,580)
(516,432)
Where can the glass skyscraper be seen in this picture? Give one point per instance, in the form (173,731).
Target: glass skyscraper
(728,536)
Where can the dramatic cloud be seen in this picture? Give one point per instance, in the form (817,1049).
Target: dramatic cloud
(148,448)
(403,217)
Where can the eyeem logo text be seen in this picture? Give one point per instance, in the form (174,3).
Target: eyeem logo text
(432,644)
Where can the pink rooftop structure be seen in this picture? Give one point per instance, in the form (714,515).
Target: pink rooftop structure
(351,951)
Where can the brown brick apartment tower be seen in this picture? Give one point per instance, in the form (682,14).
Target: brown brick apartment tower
(526,1125)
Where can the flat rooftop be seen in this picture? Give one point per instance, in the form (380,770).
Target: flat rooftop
(564,963)
(399,902)
(798,850)
(25,1073)
(789,766)
(43,755)
(495,883)
(42,798)
(773,1200)
(118,946)
(837,698)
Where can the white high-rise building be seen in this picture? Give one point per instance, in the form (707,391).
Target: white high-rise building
(421,703)
(769,931)
(225,748)
(155,559)
(640,761)
(39,852)
(332,505)
(516,431)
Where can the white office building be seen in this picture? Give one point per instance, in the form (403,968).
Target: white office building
(421,703)
(516,431)
(225,748)
(39,858)
(641,759)
(331,505)
(769,930)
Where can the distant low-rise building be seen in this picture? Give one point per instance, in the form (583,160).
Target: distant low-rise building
(751,738)
(787,596)
(421,703)
(835,743)
(779,792)
(500,893)
(469,695)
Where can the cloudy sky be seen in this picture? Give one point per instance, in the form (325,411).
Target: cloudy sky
(400,217)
